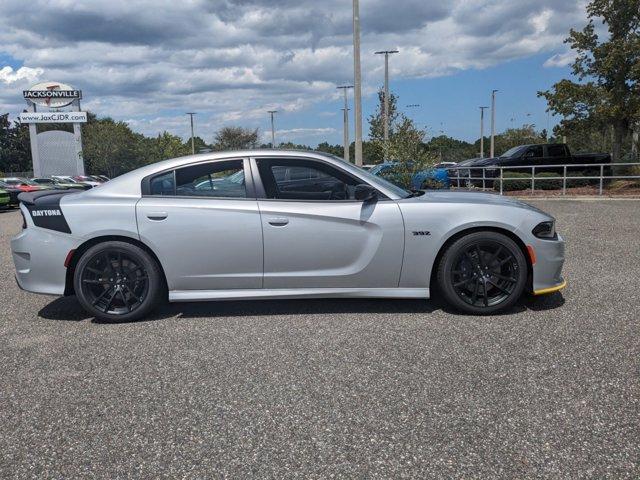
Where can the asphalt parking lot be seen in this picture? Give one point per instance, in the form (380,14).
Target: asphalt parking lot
(336,388)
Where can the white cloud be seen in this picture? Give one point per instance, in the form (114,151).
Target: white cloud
(560,60)
(8,75)
(231,60)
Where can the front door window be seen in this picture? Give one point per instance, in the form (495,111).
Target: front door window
(292,179)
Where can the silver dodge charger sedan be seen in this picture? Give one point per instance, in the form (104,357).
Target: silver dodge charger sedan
(279,224)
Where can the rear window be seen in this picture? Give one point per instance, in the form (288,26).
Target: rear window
(163,184)
(556,150)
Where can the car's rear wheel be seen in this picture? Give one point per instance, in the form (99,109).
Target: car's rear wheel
(118,281)
(482,273)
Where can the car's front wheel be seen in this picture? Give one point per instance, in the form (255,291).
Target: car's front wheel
(118,281)
(482,273)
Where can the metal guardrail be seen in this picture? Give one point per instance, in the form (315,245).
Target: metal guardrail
(468,179)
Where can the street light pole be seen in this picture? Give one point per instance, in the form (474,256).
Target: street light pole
(357,82)
(193,144)
(482,109)
(493,123)
(345,134)
(273,129)
(385,115)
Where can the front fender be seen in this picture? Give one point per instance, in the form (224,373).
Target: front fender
(443,221)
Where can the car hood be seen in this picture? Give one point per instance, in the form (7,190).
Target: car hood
(473,198)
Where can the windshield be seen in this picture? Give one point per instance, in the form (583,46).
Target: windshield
(373,179)
(376,170)
(513,152)
(18,181)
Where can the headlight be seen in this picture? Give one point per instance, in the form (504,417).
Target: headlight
(546,230)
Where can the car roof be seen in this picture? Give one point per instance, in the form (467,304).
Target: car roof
(129,184)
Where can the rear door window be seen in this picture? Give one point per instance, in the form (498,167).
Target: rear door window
(222,179)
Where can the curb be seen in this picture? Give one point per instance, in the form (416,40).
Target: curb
(584,198)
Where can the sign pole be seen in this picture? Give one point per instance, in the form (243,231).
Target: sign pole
(33,140)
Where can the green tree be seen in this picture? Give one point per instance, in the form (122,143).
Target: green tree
(513,137)
(109,147)
(376,120)
(448,149)
(289,146)
(375,150)
(15,148)
(167,145)
(199,144)
(337,150)
(607,93)
(406,144)
(235,138)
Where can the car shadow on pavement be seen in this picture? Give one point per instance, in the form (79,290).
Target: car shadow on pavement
(68,308)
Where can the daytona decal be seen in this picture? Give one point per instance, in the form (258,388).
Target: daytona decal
(46,213)
(49,218)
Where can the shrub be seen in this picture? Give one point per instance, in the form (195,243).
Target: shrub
(618,185)
(543,184)
(514,181)
(433,184)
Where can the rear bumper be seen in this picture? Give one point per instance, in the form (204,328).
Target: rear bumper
(547,272)
(38,256)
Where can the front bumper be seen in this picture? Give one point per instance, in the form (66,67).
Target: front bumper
(547,272)
(546,291)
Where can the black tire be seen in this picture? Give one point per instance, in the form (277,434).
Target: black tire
(482,273)
(118,282)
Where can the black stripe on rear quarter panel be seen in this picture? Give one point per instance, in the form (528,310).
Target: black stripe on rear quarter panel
(45,211)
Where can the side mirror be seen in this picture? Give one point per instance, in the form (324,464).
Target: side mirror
(365,193)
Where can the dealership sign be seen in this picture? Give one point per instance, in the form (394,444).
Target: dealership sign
(52,94)
(53,117)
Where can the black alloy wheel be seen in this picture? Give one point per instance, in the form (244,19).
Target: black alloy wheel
(482,273)
(117,281)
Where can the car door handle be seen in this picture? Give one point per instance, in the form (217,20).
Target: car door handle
(278,221)
(157,216)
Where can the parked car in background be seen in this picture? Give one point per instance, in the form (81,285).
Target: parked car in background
(58,184)
(545,157)
(445,165)
(13,192)
(69,179)
(4,198)
(89,180)
(102,178)
(430,178)
(22,184)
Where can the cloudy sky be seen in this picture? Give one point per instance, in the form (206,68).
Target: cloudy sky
(149,61)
